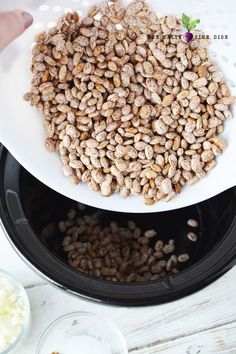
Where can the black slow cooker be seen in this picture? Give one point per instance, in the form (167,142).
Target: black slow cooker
(26,206)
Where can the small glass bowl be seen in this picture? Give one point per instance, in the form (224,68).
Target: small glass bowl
(25,328)
(80,325)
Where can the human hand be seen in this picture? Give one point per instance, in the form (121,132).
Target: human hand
(12,25)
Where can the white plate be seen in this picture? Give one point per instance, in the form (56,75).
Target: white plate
(21,128)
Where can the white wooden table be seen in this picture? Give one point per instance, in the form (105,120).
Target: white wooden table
(203,323)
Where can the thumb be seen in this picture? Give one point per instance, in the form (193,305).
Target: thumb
(13,24)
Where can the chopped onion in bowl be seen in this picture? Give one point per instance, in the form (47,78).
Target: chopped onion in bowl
(12,313)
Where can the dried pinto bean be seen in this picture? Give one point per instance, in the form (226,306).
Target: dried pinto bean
(115,252)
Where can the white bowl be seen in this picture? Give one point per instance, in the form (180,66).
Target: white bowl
(25,328)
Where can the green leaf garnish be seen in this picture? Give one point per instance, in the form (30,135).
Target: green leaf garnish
(185,20)
(189,23)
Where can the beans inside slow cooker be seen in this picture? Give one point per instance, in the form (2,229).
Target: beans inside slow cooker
(120,252)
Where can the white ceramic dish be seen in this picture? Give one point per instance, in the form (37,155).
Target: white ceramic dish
(21,129)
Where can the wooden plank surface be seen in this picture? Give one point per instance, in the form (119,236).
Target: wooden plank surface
(204,322)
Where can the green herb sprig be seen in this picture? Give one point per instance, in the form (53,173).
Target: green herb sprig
(189,23)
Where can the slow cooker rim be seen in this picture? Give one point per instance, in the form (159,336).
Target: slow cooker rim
(120,301)
(169,282)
